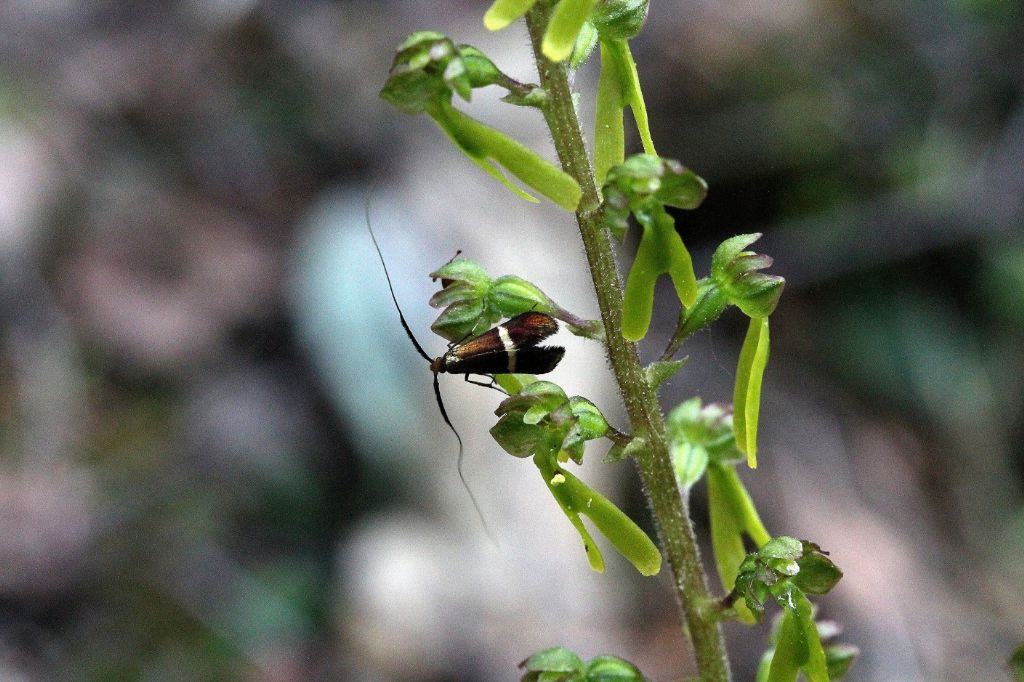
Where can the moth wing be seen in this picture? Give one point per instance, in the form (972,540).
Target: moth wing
(538,359)
(530,328)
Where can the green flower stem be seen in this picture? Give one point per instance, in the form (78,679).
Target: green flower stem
(658,477)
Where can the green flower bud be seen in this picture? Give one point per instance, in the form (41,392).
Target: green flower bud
(612,669)
(643,185)
(427,68)
(461,320)
(554,660)
(619,19)
(644,180)
(775,571)
(817,574)
(511,295)
(542,419)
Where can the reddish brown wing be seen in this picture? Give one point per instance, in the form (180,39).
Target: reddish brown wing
(524,331)
(488,342)
(529,329)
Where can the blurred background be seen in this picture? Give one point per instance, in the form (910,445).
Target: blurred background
(220,457)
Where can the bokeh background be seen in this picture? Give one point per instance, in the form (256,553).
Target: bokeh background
(220,457)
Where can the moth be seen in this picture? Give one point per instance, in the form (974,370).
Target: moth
(513,346)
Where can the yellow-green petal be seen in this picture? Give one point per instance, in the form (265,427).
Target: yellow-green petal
(747,394)
(609,133)
(566,22)
(504,12)
(481,142)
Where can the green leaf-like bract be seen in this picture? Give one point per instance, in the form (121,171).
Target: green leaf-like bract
(428,68)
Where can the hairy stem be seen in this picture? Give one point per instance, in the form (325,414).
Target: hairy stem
(644,412)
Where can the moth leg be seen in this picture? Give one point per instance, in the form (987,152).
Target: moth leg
(491,384)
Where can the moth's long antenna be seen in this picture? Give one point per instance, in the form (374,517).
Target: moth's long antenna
(462,476)
(391,288)
(437,386)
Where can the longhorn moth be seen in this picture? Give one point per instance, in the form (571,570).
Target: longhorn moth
(512,346)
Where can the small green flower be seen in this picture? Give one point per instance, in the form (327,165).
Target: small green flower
(643,186)
(734,280)
(428,68)
(694,433)
(774,573)
(473,302)
(543,419)
(543,422)
(701,441)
